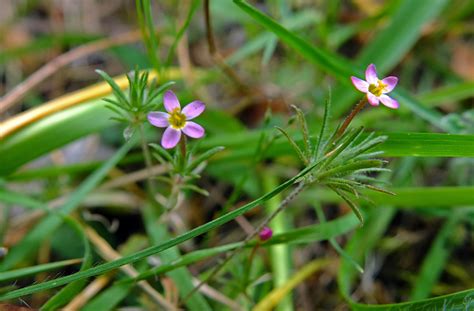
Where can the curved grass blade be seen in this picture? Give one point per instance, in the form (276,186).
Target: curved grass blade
(463,300)
(100,269)
(303,235)
(182,277)
(436,258)
(341,68)
(48,225)
(450,93)
(25,272)
(67,293)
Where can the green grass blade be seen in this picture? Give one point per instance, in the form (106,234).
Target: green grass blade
(333,64)
(178,36)
(67,293)
(182,277)
(392,43)
(238,146)
(25,272)
(10,197)
(280,255)
(364,239)
(339,67)
(100,269)
(47,226)
(297,21)
(436,258)
(461,301)
(41,137)
(109,298)
(404,28)
(427,145)
(450,93)
(303,235)
(406,197)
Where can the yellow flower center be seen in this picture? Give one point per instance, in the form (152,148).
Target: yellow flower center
(177,119)
(378,89)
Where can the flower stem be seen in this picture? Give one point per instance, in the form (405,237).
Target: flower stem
(148,163)
(351,116)
(264,223)
(182,148)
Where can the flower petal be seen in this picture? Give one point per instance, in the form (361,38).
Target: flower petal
(193,109)
(158,118)
(390,82)
(170,138)
(360,84)
(193,130)
(371,74)
(373,100)
(389,102)
(171,102)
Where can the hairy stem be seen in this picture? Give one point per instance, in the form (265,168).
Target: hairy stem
(351,116)
(265,222)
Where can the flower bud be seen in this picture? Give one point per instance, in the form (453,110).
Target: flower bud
(265,234)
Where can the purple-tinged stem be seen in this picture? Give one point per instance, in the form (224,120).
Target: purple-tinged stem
(351,116)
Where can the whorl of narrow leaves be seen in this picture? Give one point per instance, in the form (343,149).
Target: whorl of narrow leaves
(342,162)
(132,106)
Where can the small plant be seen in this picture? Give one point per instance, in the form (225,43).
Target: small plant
(138,106)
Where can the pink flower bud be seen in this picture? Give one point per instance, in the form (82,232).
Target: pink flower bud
(265,234)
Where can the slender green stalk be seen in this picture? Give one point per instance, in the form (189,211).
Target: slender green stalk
(280,255)
(145,20)
(147,157)
(264,223)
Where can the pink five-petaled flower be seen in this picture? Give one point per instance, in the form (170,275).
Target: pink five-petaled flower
(376,89)
(265,234)
(177,120)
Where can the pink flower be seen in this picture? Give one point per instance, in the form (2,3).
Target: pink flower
(376,89)
(177,120)
(265,234)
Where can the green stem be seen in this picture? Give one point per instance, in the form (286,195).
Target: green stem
(280,255)
(265,222)
(148,163)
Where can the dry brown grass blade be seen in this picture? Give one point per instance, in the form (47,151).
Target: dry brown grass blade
(42,74)
(108,253)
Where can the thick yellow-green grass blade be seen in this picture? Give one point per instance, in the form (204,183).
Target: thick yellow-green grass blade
(406,197)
